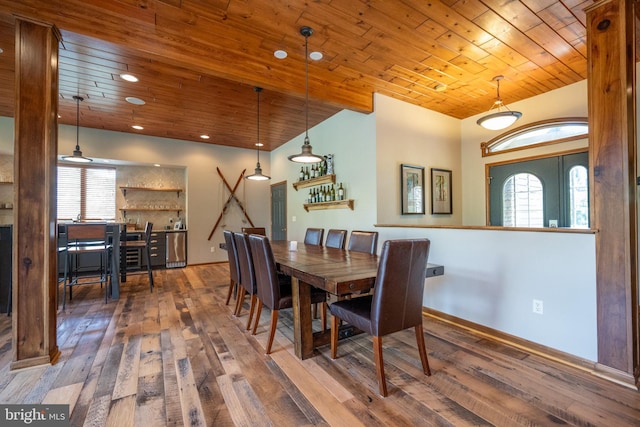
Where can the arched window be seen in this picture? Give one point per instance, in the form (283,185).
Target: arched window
(522,206)
(536,134)
(578,197)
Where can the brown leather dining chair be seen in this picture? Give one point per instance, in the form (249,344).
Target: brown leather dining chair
(314,236)
(254,230)
(336,238)
(363,241)
(247,275)
(274,290)
(234,268)
(396,303)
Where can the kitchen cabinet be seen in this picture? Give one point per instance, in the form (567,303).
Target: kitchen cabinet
(157,250)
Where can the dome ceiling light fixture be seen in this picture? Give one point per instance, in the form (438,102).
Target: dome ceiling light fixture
(306,155)
(502,116)
(257,175)
(77,156)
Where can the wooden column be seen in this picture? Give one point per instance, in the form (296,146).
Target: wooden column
(34,235)
(612,153)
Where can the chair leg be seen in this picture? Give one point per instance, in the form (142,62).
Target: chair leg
(315,311)
(149,269)
(323,315)
(258,313)
(231,285)
(334,336)
(252,307)
(239,301)
(377,355)
(272,331)
(422,350)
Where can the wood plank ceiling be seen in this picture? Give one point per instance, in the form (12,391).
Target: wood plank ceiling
(198,60)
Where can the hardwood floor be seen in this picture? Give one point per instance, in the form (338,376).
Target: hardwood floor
(179,357)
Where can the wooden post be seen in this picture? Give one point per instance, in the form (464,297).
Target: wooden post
(34,237)
(612,154)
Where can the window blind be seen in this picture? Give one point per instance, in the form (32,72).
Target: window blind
(86,191)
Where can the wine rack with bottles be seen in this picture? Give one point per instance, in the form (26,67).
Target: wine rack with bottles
(323,193)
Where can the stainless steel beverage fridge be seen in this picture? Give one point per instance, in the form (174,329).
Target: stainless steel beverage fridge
(176,248)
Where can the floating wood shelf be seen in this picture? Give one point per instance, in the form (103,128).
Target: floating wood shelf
(124,210)
(324,179)
(338,204)
(166,190)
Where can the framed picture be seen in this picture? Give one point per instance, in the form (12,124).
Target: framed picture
(412,189)
(440,191)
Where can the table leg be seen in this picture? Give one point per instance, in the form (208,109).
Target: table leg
(115,264)
(302,328)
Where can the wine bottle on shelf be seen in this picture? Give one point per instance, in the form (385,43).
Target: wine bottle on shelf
(306,173)
(301,176)
(340,192)
(333,194)
(310,197)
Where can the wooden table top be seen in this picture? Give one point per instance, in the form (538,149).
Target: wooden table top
(335,270)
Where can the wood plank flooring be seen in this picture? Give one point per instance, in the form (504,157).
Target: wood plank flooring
(178,356)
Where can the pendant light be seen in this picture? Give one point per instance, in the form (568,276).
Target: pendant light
(499,119)
(306,156)
(77,156)
(258,176)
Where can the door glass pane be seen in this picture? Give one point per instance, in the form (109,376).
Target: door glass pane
(578,197)
(522,204)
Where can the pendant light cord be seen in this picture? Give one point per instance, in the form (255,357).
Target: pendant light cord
(77,122)
(258,90)
(306,105)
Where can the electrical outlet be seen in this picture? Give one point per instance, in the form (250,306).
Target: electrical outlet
(213,248)
(538,306)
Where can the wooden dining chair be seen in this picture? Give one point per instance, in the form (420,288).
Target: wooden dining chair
(144,245)
(314,236)
(234,268)
(247,275)
(254,230)
(77,234)
(363,241)
(396,303)
(274,290)
(336,238)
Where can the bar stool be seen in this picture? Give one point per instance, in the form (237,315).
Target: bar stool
(143,245)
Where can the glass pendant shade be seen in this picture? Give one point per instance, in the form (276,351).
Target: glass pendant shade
(501,117)
(306,155)
(77,156)
(257,175)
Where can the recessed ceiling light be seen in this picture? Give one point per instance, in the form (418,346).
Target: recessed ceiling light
(1,50)
(138,127)
(259,144)
(440,87)
(316,56)
(204,136)
(134,100)
(156,165)
(129,77)
(280,54)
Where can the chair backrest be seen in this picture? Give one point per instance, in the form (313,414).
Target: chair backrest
(267,282)
(245,261)
(87,231)
(254,230)
(397,293)
(336,238)
(363,241)
(232,252)
(314,236)
(147,233)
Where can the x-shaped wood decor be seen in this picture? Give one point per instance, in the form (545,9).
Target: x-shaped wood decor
(232,196)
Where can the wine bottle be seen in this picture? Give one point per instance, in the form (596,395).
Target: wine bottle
(301,176)
(340,192)
(306,173)
(310,197)
(333,194)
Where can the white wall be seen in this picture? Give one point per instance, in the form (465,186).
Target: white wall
(205,192)
(408,134)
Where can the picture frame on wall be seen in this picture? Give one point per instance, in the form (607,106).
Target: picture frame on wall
(441,201)
(412,189)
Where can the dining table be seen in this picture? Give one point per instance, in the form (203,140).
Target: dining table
(336,271)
